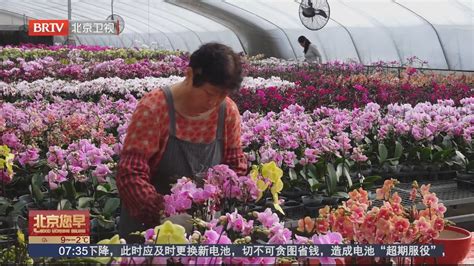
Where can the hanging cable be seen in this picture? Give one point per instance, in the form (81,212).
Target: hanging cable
(149,24)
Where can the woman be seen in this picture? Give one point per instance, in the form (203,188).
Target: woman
(180,131)
(311,53)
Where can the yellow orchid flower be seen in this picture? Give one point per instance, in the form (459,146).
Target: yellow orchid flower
(115,240)
(20,236)
(254,173)
(277,187)
(4,150)
(9,163)
(8,159)
(272,171)
(276,204)
(262,186)
(169,233)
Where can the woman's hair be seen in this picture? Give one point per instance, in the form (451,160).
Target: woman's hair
(218,65)
(303,40)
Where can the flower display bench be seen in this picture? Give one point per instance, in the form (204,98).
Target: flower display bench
(448,192)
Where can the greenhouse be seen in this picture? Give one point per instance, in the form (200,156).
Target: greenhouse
(282,132)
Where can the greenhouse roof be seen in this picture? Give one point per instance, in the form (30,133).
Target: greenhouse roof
(366,31)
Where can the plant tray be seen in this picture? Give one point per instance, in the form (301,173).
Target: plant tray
(449,192)
(465,184)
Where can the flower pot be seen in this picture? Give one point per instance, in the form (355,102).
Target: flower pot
(446,175)
(464,176)
(407,168)
(394,168)
(294,193)
(312,209)
(269,201)
(457,244)
(312,199)
(293,209)
(333,200)
(421,167)
(330,201)
(433,168)
(465,184)
(256,208)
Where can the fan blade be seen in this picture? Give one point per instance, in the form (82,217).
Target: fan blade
(321,13)
(309,12)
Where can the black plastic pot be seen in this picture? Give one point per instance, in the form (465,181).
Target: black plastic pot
(256,208)
(407,168)
(333,200)
(465,184)
(269,201)
(312,209)
(464,176)
(312,199)
(444,175)
(294,193)
(404,177)
(293,209)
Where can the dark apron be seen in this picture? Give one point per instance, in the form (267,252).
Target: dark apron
(180,158)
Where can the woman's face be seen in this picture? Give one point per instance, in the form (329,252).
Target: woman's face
(302,44)
(208,97)
(203,98)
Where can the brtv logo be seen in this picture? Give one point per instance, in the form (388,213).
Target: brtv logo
(48,27)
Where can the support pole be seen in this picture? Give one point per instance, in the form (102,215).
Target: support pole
(69,17)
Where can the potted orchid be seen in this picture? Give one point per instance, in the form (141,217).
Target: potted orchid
(221,190)
(360,221)
(224,191)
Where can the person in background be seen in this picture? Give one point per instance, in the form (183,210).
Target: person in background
(311,53)
(177,131)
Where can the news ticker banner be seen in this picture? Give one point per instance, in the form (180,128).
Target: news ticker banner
(59,227)
(66,233)
(64,27)
(84,250)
